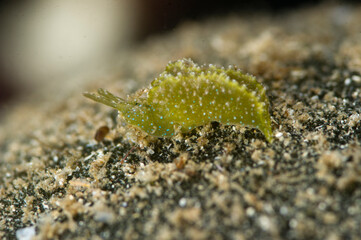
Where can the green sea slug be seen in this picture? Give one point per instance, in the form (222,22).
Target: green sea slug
(186,96)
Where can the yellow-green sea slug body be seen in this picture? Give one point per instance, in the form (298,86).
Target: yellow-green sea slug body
(186,96)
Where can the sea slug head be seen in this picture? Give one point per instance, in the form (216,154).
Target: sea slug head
(148,118)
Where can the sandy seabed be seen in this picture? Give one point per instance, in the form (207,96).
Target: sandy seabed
(216,182)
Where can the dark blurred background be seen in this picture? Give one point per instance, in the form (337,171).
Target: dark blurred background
(47,41)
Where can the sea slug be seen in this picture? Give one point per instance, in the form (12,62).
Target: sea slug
(186,96)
